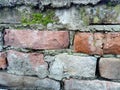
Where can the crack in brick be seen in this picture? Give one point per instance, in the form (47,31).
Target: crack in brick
(97,43)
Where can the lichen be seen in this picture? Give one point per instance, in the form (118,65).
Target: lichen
(105,14)
(114,13)
(96,19)
(84,16)
(39,18)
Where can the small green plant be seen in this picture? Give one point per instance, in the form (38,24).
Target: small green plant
(39,18)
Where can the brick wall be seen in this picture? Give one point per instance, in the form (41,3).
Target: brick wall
(76,48)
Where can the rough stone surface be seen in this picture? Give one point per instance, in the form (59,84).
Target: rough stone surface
(3,61)
(74,84)
(41,84)
(89,43)
(25,82)
(102,28)
(61,3)
(74,18)
(109,68)
(54,3)
(56,52)
(111,44)
(26,64)
(47,84)
(77,18)
(37,39)
(10,80)
(49,58)
(11,3)
(10,15)
(66,66)
(1,39)
(57,3)
(86,1)
(106,14)
(14,16)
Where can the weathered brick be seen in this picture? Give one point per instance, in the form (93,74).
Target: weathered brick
(66,66)
(37,39)
(109,68)
(3,62)
(111,43)
(26,64)
(97,43)
(89,43)
(74,84)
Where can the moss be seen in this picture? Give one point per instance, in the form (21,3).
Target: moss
(106,15)
(39,18)
(113,16)
(84,16)
(117,8)
(117,11)
(96,19)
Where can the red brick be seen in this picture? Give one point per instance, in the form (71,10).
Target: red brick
(37,39)
(36,59)
(89,43)
(3,63)
(110,68)
(112,43)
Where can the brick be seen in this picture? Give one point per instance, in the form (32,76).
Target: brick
(36,39)
(97,43)
(109,68)
(74,84)
(26,64)
(112,44)
(89,43)
(14,82)
(66,66)
(3,62)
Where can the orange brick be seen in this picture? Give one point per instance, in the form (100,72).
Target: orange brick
(3,63)
(89,43)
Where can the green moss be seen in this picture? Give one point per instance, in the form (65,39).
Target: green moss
(84,16)
(117,7)
(96,19)
(117,11)
(113,17)
(39,18)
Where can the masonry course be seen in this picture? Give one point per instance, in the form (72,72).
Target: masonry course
(59,44)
